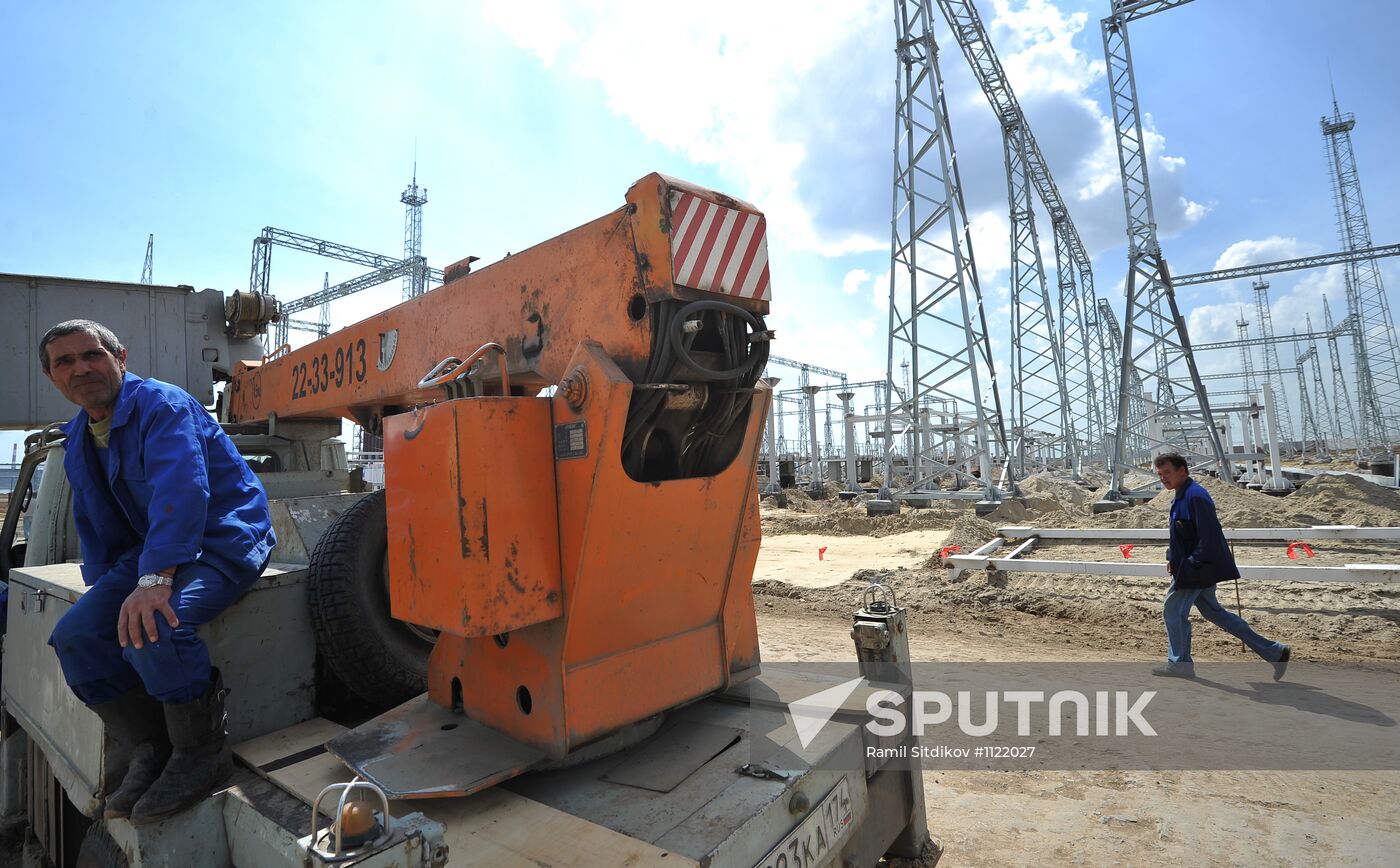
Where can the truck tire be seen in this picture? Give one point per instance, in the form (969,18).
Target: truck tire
(380,660)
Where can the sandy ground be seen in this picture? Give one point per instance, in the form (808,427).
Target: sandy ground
(1118,817)
(816,560)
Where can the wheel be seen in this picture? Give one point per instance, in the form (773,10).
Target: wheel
(380,660)
(98,850)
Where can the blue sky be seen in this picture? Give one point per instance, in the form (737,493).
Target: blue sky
(202,123)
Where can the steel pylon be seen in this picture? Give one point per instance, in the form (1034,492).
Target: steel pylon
(1273,369)
(1180,418)
(1374,344)
(1344,419)
(936,318)
(147,271)
(415,282)
(1052,380)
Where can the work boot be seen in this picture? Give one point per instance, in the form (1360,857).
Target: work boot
(201,759)
(136,722)
(1175,670)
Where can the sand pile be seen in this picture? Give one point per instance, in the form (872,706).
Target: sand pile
(800,500)
(1048,494)
(927,590)
(849,519)
(1010,512)
(1236,507)
(969,533)
(1344,500)
(911,588)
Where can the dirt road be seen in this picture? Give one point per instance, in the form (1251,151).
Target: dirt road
(1110,818)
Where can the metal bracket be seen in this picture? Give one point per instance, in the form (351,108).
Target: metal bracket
(32,602)
(762,772)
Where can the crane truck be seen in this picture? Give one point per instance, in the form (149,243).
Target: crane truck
(536,644)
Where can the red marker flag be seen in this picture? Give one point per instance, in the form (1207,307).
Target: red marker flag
(1293,555)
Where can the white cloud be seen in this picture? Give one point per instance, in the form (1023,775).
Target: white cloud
(1194,212)
(543,31)
(1291,309)
(880,292)
(794,112)
(790,106)
(991,244)
(1213,322)
(706,80)
(1251,252)
(854,280)
(1035,45)
(1171,164)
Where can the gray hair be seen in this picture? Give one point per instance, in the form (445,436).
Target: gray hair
(73,326)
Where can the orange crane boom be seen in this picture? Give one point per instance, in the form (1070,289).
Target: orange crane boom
(585,551)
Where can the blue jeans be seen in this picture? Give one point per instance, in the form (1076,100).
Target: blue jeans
(173,669)
(1177,615)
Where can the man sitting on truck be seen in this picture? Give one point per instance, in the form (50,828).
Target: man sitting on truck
(174,527)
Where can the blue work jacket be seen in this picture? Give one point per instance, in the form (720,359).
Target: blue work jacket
(176,488)
(1198,551)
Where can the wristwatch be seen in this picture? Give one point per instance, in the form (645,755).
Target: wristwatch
(152,580)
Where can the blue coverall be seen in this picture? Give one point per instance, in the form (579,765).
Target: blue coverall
(1200,557)
(170,490)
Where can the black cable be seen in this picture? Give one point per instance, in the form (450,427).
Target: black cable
(682,342)
(671,350)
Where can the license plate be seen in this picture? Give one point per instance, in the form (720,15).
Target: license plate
(816,837)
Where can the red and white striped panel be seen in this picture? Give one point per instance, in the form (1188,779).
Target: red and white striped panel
(718,249)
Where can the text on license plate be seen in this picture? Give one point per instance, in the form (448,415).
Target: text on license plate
(817,837)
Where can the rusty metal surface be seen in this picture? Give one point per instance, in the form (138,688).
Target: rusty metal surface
(673,755)
(539,303)
(717,815)
(421,750)
(657,604)
(470,495)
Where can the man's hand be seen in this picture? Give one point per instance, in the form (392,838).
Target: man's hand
(138,615)
(1169,568)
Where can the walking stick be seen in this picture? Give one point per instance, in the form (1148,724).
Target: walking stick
(1239,606)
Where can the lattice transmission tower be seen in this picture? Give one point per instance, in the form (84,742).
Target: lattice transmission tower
(1246,356)
(1181,418)
(1052,377)
(1113,349)
(1374,345)
(1309,429)
(323,326)
(936,318)
(1344,419)
(415,282)
(147,272)
(1322,403)
(1273,371)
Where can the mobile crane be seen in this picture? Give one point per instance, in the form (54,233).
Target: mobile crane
(570,507)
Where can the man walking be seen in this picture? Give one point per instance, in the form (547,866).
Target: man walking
(1198,558)
(174,527)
